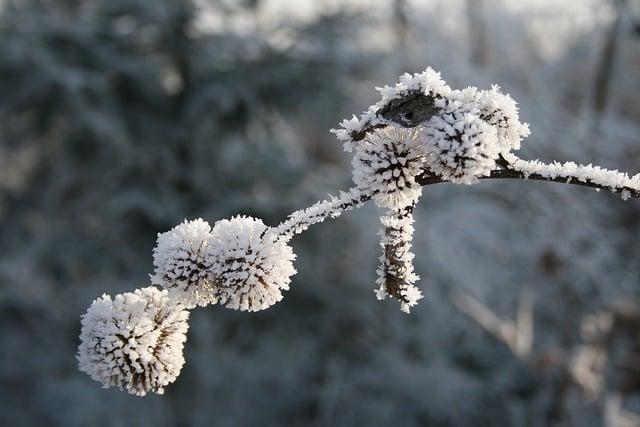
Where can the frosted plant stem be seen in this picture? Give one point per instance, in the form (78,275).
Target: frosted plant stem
(617,182)
(572,173)
(300,220)
(396,276)
(513,168)
(420,133)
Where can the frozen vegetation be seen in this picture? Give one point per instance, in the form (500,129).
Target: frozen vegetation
(245,265)
(119,119)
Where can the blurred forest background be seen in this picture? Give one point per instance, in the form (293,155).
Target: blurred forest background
(119,118)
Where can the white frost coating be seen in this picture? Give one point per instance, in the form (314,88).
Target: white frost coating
(460,147)
(181,265)
(396,276)
(300,220)
(251,263)
(428,82)
(499,110)
(386,164)
(613,179)
(133,341)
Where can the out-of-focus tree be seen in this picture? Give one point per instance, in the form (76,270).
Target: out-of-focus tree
(477,32)
(606,62)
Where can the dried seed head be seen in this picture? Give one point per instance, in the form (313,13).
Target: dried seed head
(460,147)
(133,341)
(181,265)
(387,163)
(252,264)
(500,111)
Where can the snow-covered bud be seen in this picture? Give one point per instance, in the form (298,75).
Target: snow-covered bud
(499,110)
(387,163)
(181,264)
(251,263)
(460,147)
(133,341)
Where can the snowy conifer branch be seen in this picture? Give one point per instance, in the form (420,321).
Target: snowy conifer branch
(420,133)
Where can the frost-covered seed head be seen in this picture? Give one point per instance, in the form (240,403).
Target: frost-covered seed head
(133,341)
(387,163)
(460,147)
(499,110)
(251,264)
(181,265)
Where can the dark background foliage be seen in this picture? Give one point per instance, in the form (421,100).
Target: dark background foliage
(120,118)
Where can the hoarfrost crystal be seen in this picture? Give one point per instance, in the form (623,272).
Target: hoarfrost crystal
(301,220)
(614,180)
(251,263)
(460,147)
(133,341)
(181,265)
(386,164)
(396,276)
(500,111)
(420,132)
(428,83)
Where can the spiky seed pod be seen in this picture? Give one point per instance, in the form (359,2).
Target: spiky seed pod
(396,276)
(251,263)
(387,163)
(181,264)
(460,147)
(133,341)
(499,110)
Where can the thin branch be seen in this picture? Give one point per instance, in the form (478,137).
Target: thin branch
(353,198)
(516,335)
(427,178)
(300,220)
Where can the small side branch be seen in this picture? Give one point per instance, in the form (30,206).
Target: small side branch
(396,276)
(511,168)
(566,173)
(516,334)
(300,220)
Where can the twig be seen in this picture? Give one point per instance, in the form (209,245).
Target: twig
(428,179)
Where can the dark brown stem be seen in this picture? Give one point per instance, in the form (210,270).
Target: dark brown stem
(294,225)
(427,178)
(394,266)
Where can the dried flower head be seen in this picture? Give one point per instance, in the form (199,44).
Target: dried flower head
(499,110)
(460,147)
(133,341)
(251,263)
(181,264)
(387,163)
